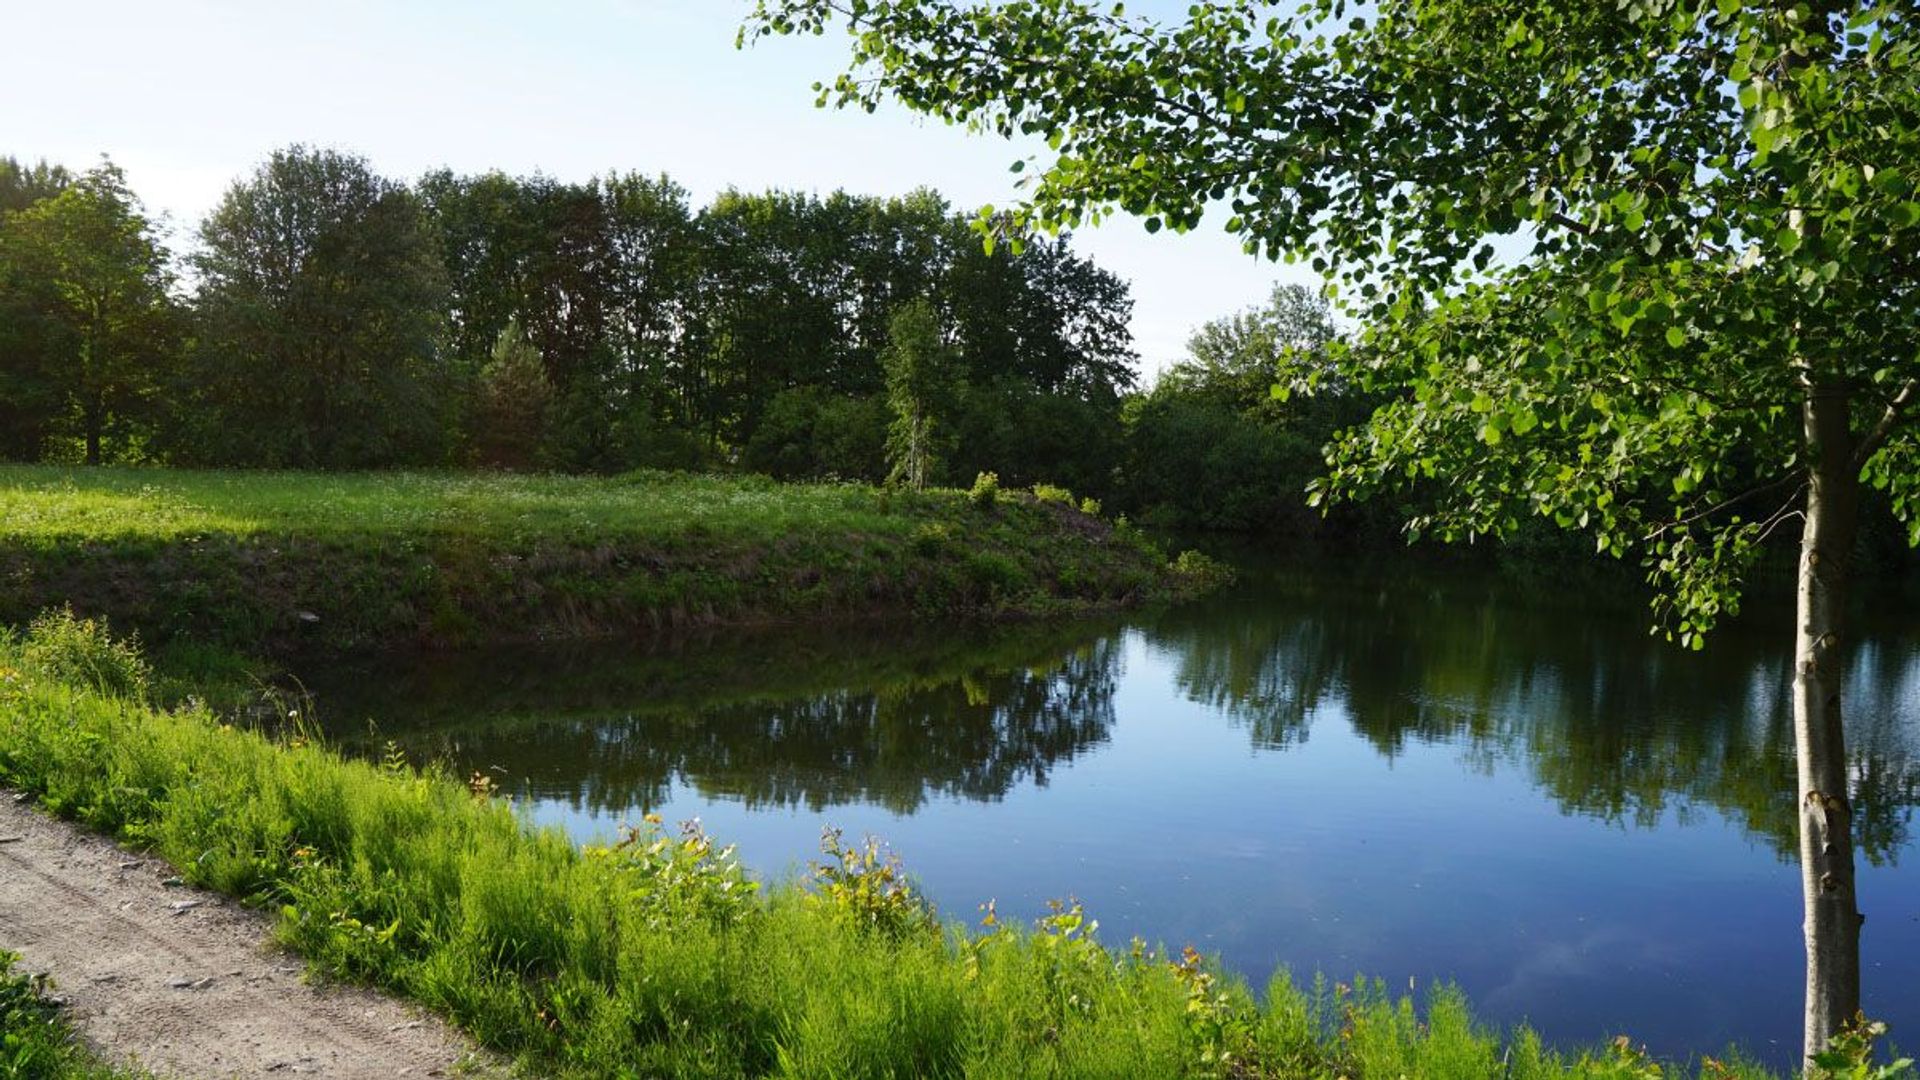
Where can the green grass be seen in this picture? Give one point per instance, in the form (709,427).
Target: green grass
(264,562)
(62,503)
(659,957)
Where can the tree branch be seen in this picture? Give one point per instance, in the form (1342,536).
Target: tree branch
(1895,414)
(1794,478)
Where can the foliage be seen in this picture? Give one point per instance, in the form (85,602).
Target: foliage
(513,398)
(1850,1056)
(866,886)
(87,326)
(1211,447)
(1234,359)
(749,330)
(985,491)
(318,314)
(23,185)
(62,646)
(809,433)
(36,1043)
(1640,269)
(1627,363)
(1204,571)
(672,881)
(1052,493)
(922,384)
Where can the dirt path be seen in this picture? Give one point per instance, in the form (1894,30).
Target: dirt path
(184,982)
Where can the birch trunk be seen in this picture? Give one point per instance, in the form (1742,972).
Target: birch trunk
(1826,812)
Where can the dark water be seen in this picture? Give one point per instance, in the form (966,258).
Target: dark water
(1412,776)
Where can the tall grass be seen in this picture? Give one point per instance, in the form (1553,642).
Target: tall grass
(658,956)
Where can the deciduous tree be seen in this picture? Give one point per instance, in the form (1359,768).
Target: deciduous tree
(321,315)
(87,281)
(922,384)
(1644,267)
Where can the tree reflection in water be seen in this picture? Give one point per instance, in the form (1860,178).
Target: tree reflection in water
(1609,722)
(774,721)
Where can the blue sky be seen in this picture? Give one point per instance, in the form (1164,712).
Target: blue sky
(188,95)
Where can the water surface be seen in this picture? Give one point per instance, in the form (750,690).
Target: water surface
(1400,773)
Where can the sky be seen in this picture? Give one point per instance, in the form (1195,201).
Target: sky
(189,95)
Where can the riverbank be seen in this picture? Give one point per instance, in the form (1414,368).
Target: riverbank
(658,956)
(265,563)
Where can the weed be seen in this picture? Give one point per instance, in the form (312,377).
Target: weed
(64,647)
(1850,1056)
(35,1041)
(866,886)
(1053,493)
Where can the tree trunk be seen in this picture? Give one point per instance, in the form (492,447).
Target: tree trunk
(93,419)
(1826,813)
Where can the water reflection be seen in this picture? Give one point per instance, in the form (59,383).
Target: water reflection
(1610,722)
(773,721)
(1607,721)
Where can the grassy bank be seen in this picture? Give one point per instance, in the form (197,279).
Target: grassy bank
(266,562)
(659,957)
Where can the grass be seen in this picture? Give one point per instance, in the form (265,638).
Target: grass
(52,503)
(659,956)
(266,562)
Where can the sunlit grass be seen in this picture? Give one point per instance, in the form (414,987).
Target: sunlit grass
(266,562)
(99,503)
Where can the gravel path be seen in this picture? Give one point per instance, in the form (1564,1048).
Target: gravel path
(187,983)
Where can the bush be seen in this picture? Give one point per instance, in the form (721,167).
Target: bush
(985,490)
(66,648)
(866,886)
(1201,570)
(1053,493)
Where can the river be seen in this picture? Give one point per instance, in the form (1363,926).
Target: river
(1386,770)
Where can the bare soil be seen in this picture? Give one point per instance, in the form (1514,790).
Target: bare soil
(187,983)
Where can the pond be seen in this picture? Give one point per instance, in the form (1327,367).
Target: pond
(1404,773)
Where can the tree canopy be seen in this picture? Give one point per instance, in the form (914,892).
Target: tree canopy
(339,318)
(1590,201)
(85,296)
(320,314)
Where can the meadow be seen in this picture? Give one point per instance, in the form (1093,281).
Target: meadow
(265,562)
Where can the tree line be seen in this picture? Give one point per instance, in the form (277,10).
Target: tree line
(330,317)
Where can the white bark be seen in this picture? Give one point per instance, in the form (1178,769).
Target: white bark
(1826,812)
